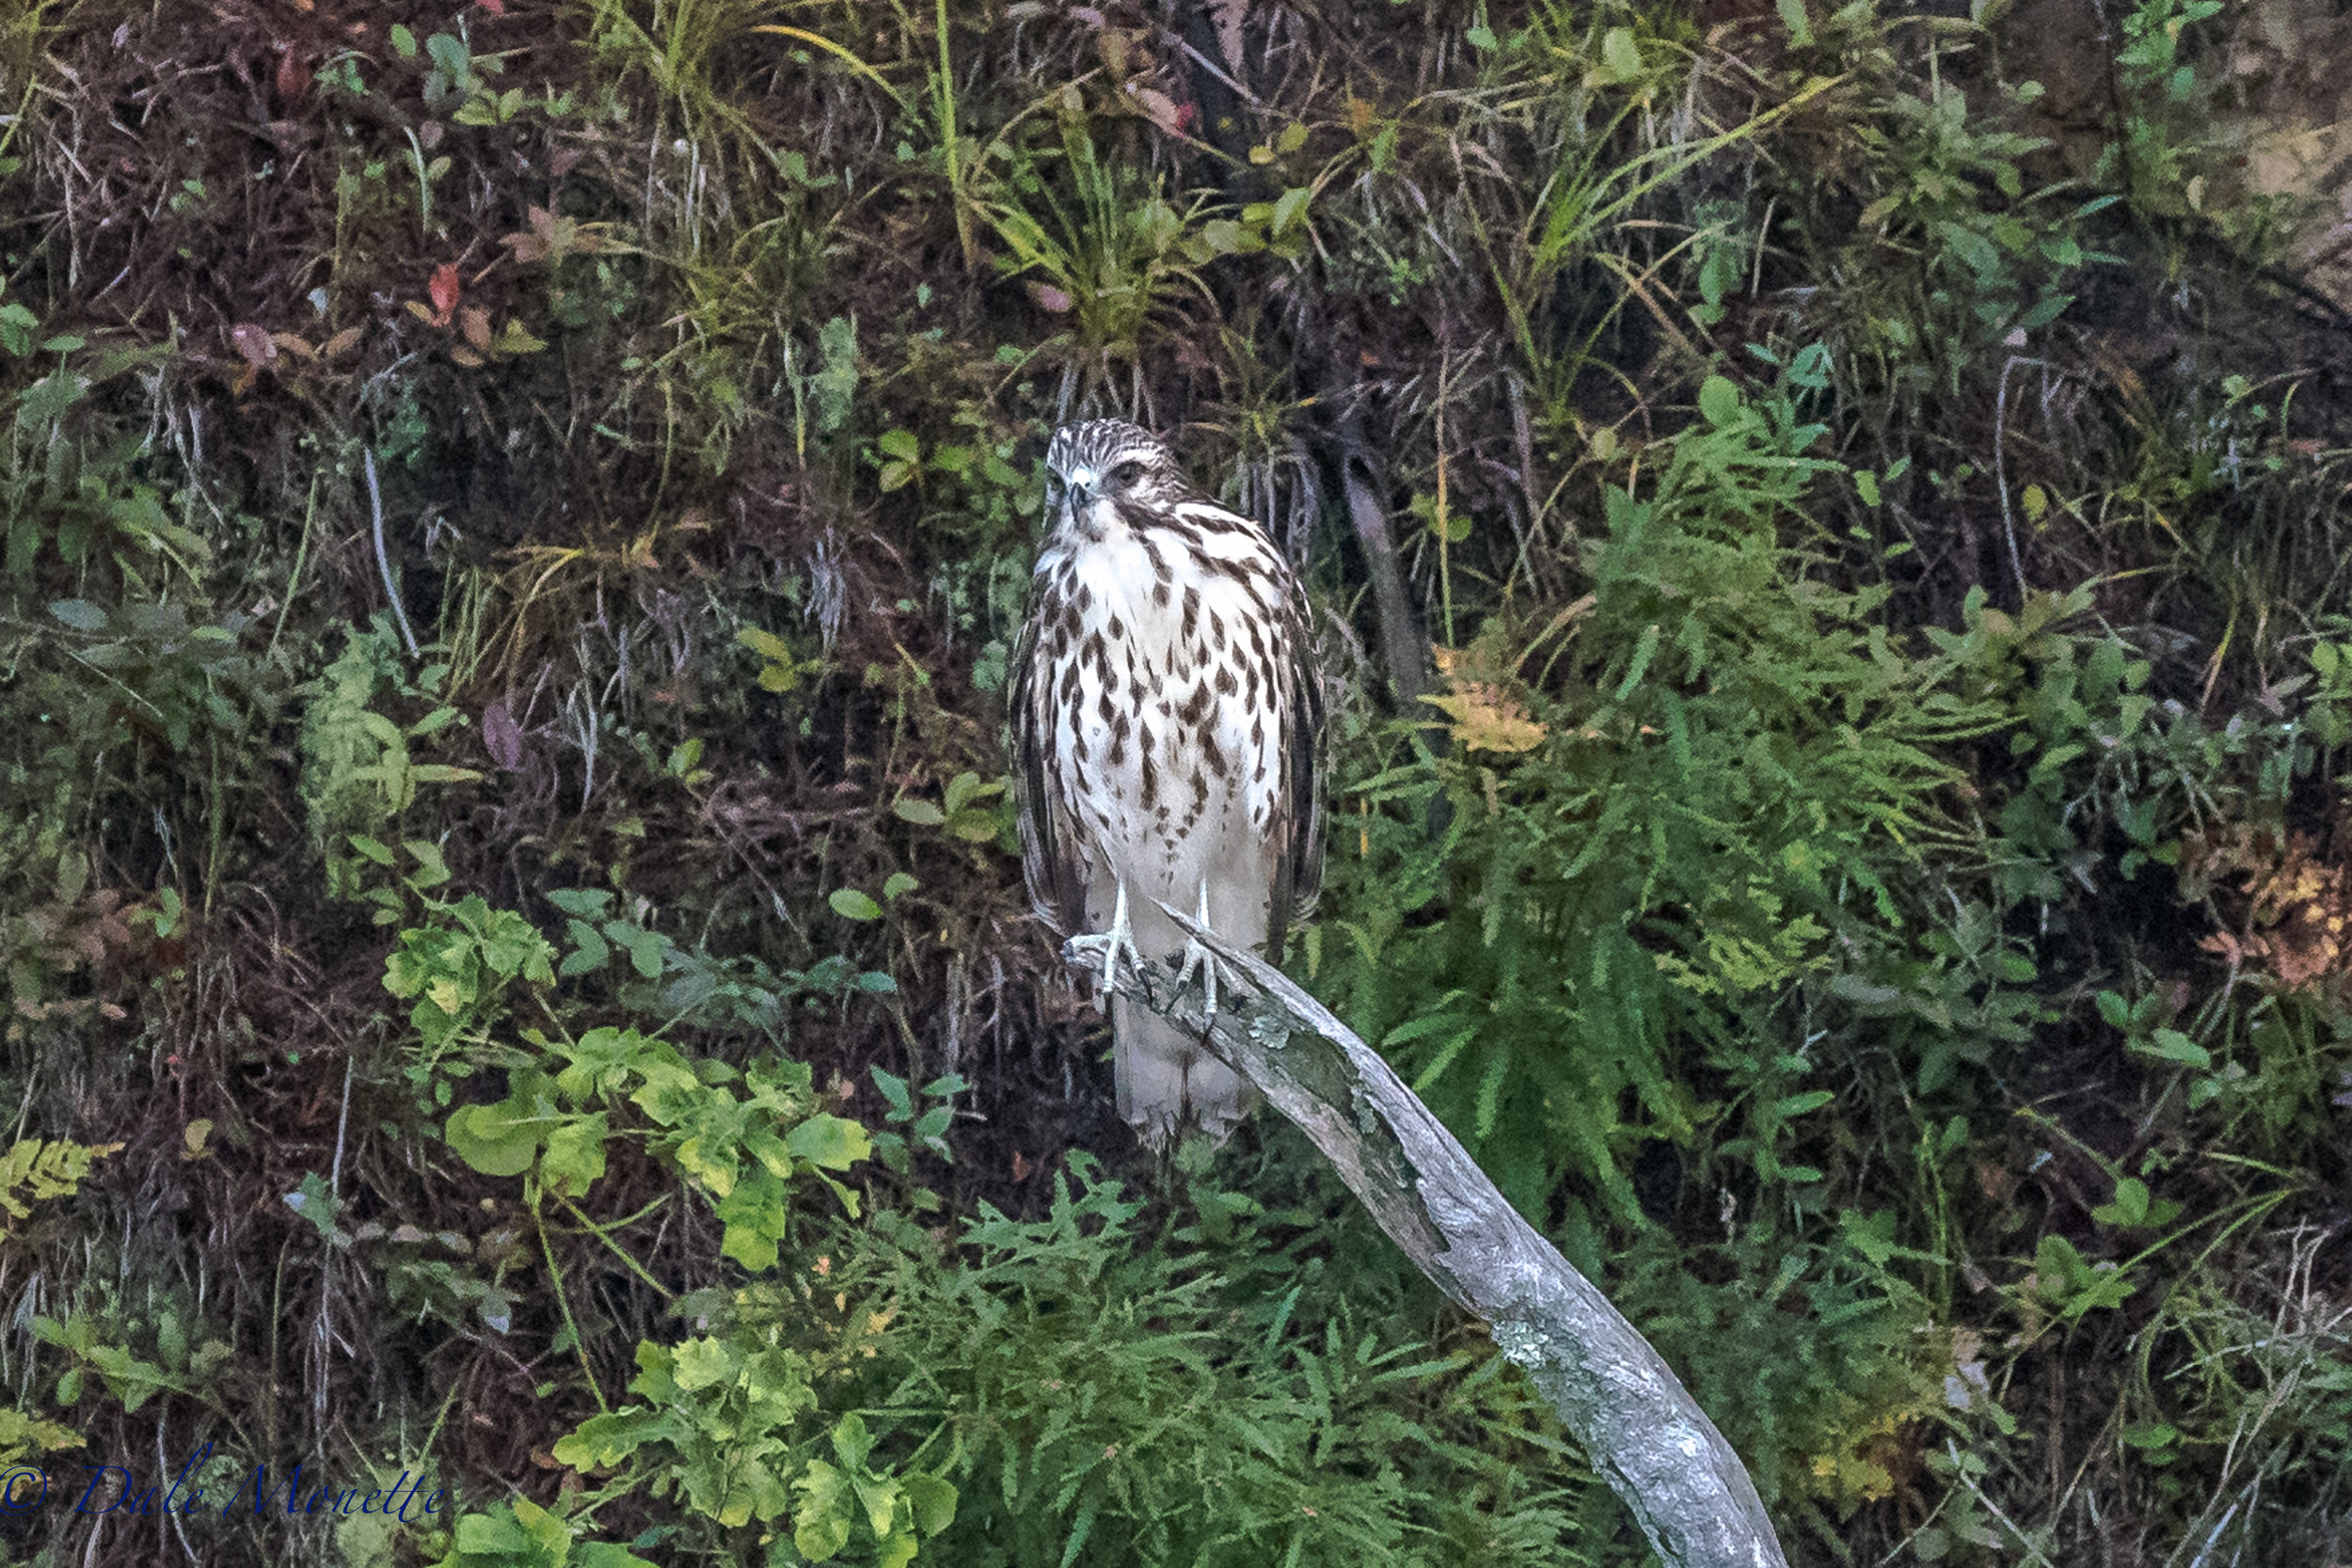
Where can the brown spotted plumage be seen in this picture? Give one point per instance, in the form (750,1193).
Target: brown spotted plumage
(1165,715)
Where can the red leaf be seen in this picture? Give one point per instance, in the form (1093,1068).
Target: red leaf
(496,8)
(294,77)
(1050,298)
(444,289)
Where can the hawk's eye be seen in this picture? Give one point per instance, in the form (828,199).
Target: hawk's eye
(1128,473)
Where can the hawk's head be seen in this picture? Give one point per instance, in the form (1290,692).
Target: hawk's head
(1099,471)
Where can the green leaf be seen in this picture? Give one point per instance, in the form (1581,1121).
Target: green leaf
(851,1442)
(1853,988)
(590,951)
(488,1138)
(821,1526)
(2171,1045)
(894,1090)
(645,948)
(2130,1207)
(492,1535)
(1719,401)
(314,1201)
(1288,208)
(1621,54)
(604,1554)
(880,1497)
(767,644)
(921,813)
(832,1143)
(575,1156)
(80,615)
(850,904)
(934,1503)
(550,1534)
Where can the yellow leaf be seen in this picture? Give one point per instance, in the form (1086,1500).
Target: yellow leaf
(514,338)
(765,643)
(1486,721)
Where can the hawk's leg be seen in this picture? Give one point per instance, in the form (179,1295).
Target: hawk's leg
(1198,957)
(1108,943)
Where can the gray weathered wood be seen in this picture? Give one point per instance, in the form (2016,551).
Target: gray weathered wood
(1640,1427)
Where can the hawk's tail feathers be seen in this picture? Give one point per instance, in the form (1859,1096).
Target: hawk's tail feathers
(1167,1081)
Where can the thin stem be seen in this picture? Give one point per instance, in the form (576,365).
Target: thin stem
(571,1326)
(603,1233)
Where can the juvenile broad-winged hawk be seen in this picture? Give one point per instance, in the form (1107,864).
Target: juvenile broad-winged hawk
(1165,717)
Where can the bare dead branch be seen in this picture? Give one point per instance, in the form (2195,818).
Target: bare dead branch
(1641,1429)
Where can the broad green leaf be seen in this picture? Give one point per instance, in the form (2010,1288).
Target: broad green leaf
(2171,1045)
(820,1525)
(80,615)
(934,1503)
(575,1156)
(488,1138)
(1719,401)
(831,1142)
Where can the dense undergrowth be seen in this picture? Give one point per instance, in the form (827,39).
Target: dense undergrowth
(516,966)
